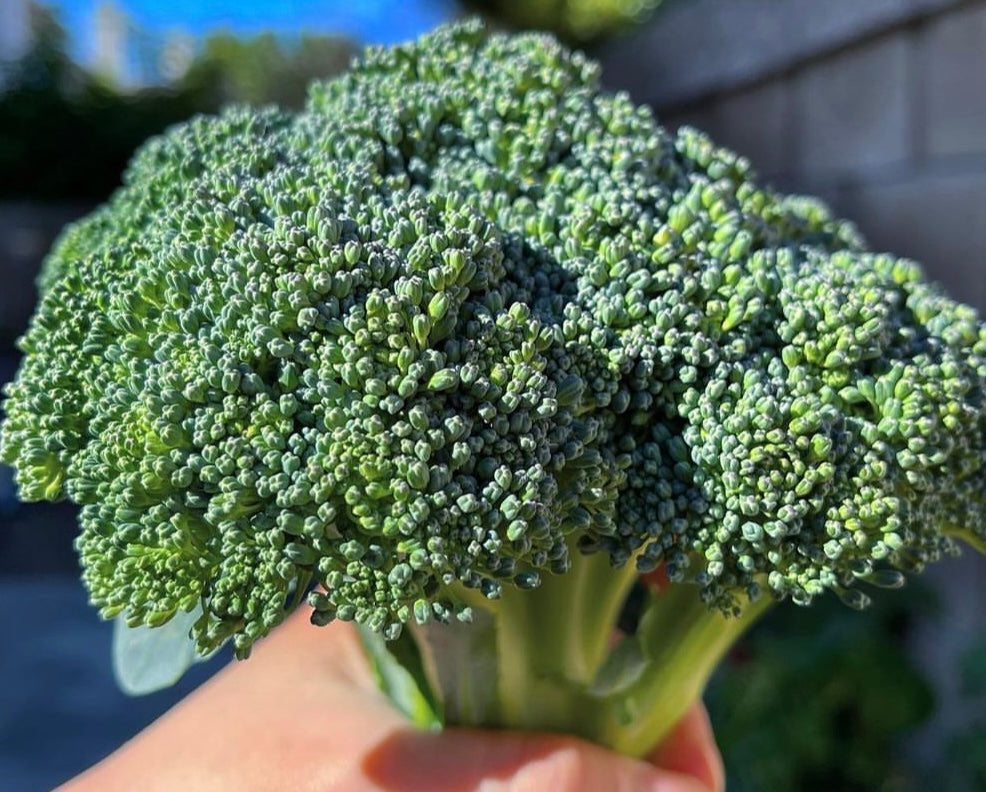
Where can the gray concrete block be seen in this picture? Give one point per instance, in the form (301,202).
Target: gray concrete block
(853,110)
(932,6)
(687,52)
(704,117)
(757,123)
(953,51)
(824,26)
(939,220)
(701,47)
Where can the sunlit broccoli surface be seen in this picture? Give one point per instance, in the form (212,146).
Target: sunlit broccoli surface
(462,320)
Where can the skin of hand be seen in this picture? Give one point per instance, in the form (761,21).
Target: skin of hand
(303,714)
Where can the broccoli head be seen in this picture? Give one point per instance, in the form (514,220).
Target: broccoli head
(470,335)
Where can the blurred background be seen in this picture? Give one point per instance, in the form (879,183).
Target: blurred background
(878,106)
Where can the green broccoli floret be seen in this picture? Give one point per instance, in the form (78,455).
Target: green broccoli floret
(469,338)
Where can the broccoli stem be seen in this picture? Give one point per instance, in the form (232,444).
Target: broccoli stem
(683,641)
(552,641)
(558,669)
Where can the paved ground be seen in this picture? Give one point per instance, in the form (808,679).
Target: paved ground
(60,709)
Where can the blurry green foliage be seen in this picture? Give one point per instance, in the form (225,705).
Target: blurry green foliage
(65,134)
(260,70)
(965,762)
(817,699)
(576,21)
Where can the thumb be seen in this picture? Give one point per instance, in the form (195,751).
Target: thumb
(691,750)
(493,761)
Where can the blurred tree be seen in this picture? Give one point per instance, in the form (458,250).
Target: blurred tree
(818,699)
(576,21)
(66,134)
(63,133)
(260,69)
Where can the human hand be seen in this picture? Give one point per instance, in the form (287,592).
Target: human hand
(304,714)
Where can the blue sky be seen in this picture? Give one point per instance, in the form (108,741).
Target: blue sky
(369,21)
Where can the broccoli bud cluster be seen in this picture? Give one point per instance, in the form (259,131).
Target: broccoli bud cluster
(466,316)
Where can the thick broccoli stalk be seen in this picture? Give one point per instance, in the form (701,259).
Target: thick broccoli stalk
(469,338)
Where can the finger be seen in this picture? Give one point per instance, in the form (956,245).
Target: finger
(691,750)
(333,651)
(491,761)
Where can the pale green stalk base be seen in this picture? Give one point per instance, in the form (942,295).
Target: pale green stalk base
(545,659)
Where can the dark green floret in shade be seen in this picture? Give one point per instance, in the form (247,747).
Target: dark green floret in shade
(470,338)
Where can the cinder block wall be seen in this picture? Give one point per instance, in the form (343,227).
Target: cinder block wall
(878,106)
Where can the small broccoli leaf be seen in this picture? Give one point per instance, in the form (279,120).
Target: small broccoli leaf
(623,667)
(148,659)
(401,675)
